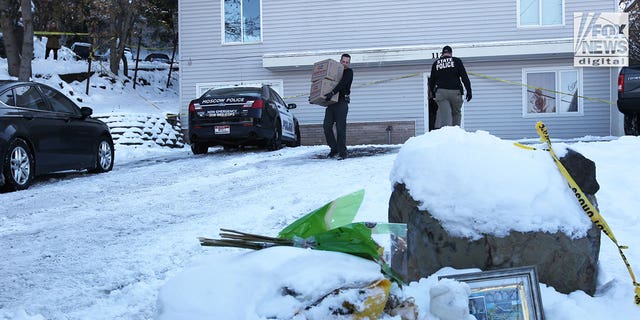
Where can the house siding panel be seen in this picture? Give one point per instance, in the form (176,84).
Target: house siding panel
(329,26)
(377,94)
(497,106)
(362,23)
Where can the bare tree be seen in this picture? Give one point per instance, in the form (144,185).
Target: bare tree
(158,22)
(8,22)
(17,32)
(109,23)
(122,14)
(27,42)
(633,8)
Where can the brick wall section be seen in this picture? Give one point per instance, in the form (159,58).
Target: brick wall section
(363,133)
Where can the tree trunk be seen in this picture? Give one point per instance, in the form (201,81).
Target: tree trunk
(114,58)
(7,18)
(127,26)
(122,16)
(27,42)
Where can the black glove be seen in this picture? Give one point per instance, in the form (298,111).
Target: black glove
(328,96)
(468,96)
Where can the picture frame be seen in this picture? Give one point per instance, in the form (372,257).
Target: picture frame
(512,293)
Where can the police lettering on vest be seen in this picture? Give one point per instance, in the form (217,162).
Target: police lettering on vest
(445,63)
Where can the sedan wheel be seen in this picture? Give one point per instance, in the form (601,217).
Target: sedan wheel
(18,166)
(199,148)
(104,160)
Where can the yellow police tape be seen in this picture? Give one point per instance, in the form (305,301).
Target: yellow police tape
(534,87)
(585,204)
(45,33)
(366,84)
(479,75)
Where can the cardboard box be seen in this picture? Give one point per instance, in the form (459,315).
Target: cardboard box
(319,89)
(327,69)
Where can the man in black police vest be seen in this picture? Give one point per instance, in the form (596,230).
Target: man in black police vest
(446,73)
(337,112)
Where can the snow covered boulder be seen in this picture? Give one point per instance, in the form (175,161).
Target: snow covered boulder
(532,217)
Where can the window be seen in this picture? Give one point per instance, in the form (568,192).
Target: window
(277,85)
(29,97)
(7,98)
(239,91)
(59,102)
(276,97)
(554,92)
(541,12)
(242,21)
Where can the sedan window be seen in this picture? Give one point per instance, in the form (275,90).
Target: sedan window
(7,98)
(59,102)
(29,97)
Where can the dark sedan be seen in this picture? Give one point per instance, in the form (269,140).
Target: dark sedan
(241,116)
(158,57)
(42,131)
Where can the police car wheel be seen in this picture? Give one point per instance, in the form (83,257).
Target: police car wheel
(199,148)
(275,143)
(298,141)
(631,124)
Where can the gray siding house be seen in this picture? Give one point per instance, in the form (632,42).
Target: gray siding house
(504,44)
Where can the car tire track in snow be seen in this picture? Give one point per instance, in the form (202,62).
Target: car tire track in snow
(75,245)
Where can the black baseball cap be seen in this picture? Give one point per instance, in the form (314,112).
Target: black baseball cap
(446,49)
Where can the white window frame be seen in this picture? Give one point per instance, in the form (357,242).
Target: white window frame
(556,93)
(539,24)
(222,27)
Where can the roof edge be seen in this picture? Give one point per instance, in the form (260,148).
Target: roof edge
(425,53)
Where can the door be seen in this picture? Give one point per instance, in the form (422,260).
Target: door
(43,129)
(427,115)
(79,137)
(286,118)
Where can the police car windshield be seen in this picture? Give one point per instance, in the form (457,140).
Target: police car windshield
(247,92)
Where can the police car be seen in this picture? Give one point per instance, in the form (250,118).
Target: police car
(242,116)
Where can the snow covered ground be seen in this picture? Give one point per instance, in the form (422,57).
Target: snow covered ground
(123,245)
(105,96)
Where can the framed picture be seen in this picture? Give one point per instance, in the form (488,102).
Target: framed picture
(505,294)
